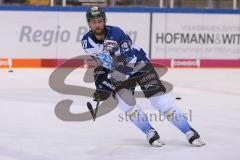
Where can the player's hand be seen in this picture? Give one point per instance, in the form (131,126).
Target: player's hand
(105,60)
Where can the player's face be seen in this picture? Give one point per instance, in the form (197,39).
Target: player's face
(97,25)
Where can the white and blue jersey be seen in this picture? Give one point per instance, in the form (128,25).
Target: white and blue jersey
(116,51)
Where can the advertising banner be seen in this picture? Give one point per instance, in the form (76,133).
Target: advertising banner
(196,36)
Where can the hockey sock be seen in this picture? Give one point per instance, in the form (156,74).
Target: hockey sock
(139,119)
(178,119)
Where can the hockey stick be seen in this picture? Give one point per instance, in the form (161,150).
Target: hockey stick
(93,113)
(96,109)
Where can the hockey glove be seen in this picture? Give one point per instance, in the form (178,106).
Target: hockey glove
(104,87)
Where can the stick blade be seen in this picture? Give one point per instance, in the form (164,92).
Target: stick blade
(89,105)
(90,108)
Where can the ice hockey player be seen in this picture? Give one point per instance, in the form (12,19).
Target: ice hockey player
(121,66)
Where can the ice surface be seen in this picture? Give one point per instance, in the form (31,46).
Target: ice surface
(30,130)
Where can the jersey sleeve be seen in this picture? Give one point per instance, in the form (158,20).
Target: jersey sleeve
(124,41)
(88,47)
(132,52)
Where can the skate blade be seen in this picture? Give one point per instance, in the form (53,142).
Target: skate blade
(198,143)
(158,143)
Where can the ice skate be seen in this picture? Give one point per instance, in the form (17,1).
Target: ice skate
(154,139)
(194,138)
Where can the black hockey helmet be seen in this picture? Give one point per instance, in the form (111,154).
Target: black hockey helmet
(94,12)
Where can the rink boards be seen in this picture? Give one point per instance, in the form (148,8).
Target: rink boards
(48,36)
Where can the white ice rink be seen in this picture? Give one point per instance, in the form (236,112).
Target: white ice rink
(30,130)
